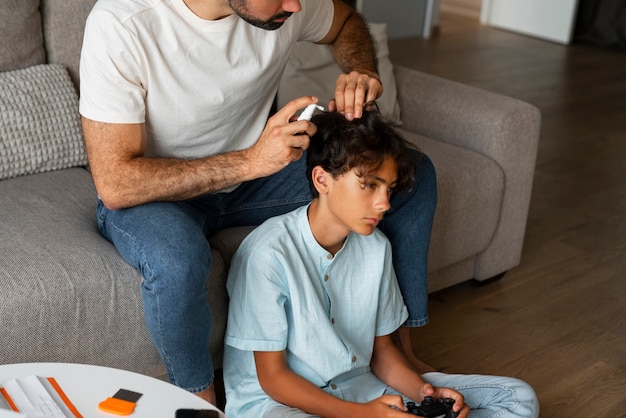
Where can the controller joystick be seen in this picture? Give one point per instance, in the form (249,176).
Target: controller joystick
(433,408)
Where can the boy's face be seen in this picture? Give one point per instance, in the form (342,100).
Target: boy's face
(359,203)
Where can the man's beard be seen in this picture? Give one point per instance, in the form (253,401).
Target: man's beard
(239,7)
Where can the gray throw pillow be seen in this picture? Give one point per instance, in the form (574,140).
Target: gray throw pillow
(40,126)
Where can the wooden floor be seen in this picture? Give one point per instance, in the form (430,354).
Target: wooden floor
(558,320)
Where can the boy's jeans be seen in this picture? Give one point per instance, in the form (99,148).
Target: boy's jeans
(490,396)
(487,396)
(167,243)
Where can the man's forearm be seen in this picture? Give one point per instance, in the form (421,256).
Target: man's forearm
(124,177)
(162,179)
(354,48)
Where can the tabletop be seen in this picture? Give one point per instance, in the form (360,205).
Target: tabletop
(87,385)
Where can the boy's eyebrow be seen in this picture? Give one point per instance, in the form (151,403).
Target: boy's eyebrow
(379,179)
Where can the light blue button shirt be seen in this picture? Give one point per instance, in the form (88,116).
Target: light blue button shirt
(287,292)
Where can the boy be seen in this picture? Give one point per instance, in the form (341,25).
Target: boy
(314,297)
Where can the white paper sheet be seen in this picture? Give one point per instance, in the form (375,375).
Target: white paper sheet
(32,398)
(4,413)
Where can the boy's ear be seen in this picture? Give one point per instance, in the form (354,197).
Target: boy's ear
(321,179)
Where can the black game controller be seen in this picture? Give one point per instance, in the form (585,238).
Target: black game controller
(432,408)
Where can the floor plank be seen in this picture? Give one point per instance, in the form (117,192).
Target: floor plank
(558,320)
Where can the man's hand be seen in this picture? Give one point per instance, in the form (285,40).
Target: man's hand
(440,393)
(353,90)
(283,140)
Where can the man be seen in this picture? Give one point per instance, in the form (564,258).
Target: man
(174,97)
(314,297)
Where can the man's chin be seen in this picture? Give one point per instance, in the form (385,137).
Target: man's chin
(273,25)
(266,24)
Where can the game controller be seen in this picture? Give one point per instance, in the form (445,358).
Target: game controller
(432,408)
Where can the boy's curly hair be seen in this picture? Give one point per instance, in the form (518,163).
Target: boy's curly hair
(339,145)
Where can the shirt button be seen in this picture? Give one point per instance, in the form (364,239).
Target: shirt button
(333,386)
(329,256)
(354,359)
(326,278)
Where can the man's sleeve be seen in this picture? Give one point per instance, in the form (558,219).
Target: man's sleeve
(110,74)
(317,19)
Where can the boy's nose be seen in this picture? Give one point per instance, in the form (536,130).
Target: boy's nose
(382,203)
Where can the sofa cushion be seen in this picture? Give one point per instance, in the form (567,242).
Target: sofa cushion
(63,27)
(78,300)
(226,241)
(40,126)
(470,192)
(21,34)
(312,70)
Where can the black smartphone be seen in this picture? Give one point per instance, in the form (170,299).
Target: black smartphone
(196,413)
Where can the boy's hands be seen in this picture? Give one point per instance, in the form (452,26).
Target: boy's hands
(392,406)
(387,406)
(441,393)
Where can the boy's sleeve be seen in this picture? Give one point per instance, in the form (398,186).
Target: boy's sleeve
(256,317)
(392,311)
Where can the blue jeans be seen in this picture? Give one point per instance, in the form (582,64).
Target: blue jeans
(487,396)
(490,396)
(167,243)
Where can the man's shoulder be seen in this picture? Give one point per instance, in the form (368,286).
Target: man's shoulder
(125,9)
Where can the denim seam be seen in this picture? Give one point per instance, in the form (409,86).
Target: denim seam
(503,411)
(415,323)
(199,388)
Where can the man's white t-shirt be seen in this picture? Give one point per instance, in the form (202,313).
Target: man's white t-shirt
(202,87)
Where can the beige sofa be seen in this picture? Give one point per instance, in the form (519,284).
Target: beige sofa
(65,293)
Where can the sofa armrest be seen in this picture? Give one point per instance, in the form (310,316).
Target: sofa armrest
(499,127)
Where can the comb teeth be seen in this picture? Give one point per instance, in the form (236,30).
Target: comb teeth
(128,395)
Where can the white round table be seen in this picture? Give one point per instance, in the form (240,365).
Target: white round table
(86,386)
